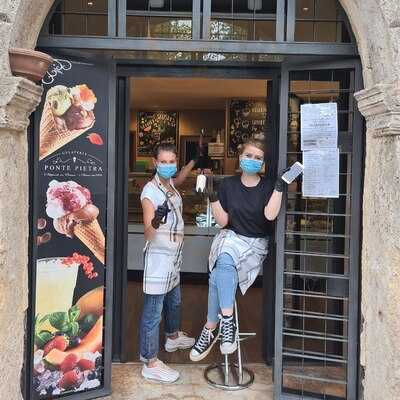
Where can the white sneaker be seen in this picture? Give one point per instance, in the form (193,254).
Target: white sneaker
(183,341)
(160,372)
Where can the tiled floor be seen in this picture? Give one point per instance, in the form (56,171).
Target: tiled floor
(127,383)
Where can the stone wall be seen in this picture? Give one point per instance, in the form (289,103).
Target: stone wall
(376,24)
(380,347)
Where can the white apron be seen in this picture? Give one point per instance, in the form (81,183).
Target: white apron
(247,253)
(163,254)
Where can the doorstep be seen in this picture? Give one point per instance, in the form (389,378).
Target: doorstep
(127,383)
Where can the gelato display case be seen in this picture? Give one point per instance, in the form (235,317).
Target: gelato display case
(200,226)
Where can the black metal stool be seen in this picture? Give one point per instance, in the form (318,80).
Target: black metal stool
(228,375)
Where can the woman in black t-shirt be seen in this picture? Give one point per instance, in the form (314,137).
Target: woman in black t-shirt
(244,207)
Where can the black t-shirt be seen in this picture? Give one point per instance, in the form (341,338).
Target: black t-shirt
(245,206)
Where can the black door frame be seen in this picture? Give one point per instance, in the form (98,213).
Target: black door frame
(125,71)
(352,378)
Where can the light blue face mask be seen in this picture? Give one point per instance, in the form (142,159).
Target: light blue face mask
(251,166)
(166,171)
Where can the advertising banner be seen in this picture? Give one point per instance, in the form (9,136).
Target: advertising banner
(70,203)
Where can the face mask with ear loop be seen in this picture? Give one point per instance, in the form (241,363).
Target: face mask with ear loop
(251,166)
(166,171)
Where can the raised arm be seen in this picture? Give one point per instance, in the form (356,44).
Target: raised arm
(183,173)
(274,204)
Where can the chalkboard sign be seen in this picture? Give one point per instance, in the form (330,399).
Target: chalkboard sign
(247,118)
(155,127)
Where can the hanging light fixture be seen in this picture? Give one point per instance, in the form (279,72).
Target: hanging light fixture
(254,5)
(156,3)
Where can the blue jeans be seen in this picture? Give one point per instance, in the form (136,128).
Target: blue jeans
(154,306)
(222,286)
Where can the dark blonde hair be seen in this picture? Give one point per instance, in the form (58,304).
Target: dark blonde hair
(164,146)
(251,142)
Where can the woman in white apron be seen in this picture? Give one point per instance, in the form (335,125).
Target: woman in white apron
(244,207)
(163,230)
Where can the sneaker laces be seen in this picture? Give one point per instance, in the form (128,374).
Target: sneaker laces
(204,340)
(228,329)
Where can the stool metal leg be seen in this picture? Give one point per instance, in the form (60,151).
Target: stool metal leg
(226,370)
(242,375)
(239,351)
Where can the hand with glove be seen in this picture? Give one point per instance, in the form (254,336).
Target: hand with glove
(201,159)
(212,195)
(208,192)
(280,184)
(160,215)
(199,153)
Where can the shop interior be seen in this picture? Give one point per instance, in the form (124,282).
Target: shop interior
(222,112)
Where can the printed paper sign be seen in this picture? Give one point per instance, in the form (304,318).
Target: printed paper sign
(321,173)
(319,126)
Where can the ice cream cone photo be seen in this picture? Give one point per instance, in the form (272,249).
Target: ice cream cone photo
(67,114)
(92,236)
(74,215)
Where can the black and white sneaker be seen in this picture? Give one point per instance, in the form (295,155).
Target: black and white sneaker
(228,335)
(203,345)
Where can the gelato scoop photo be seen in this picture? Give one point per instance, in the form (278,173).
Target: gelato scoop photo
(70,205)
(67,114)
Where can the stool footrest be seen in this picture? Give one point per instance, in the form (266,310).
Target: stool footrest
(227,375)
(215,376)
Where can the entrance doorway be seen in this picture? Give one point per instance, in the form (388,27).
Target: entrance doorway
(222,112)
(316,245)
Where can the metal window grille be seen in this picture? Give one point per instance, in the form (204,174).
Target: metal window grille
(319,267)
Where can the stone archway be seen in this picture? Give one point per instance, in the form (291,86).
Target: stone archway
(376,24)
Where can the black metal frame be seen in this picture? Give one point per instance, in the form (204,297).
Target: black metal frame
(207,46)
(121,217)
(354,259)
(123,72)
(269,267)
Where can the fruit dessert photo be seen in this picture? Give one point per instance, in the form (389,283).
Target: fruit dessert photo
(68,345)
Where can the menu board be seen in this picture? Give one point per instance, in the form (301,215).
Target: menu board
(155,127)
(247,118)
(70,203)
